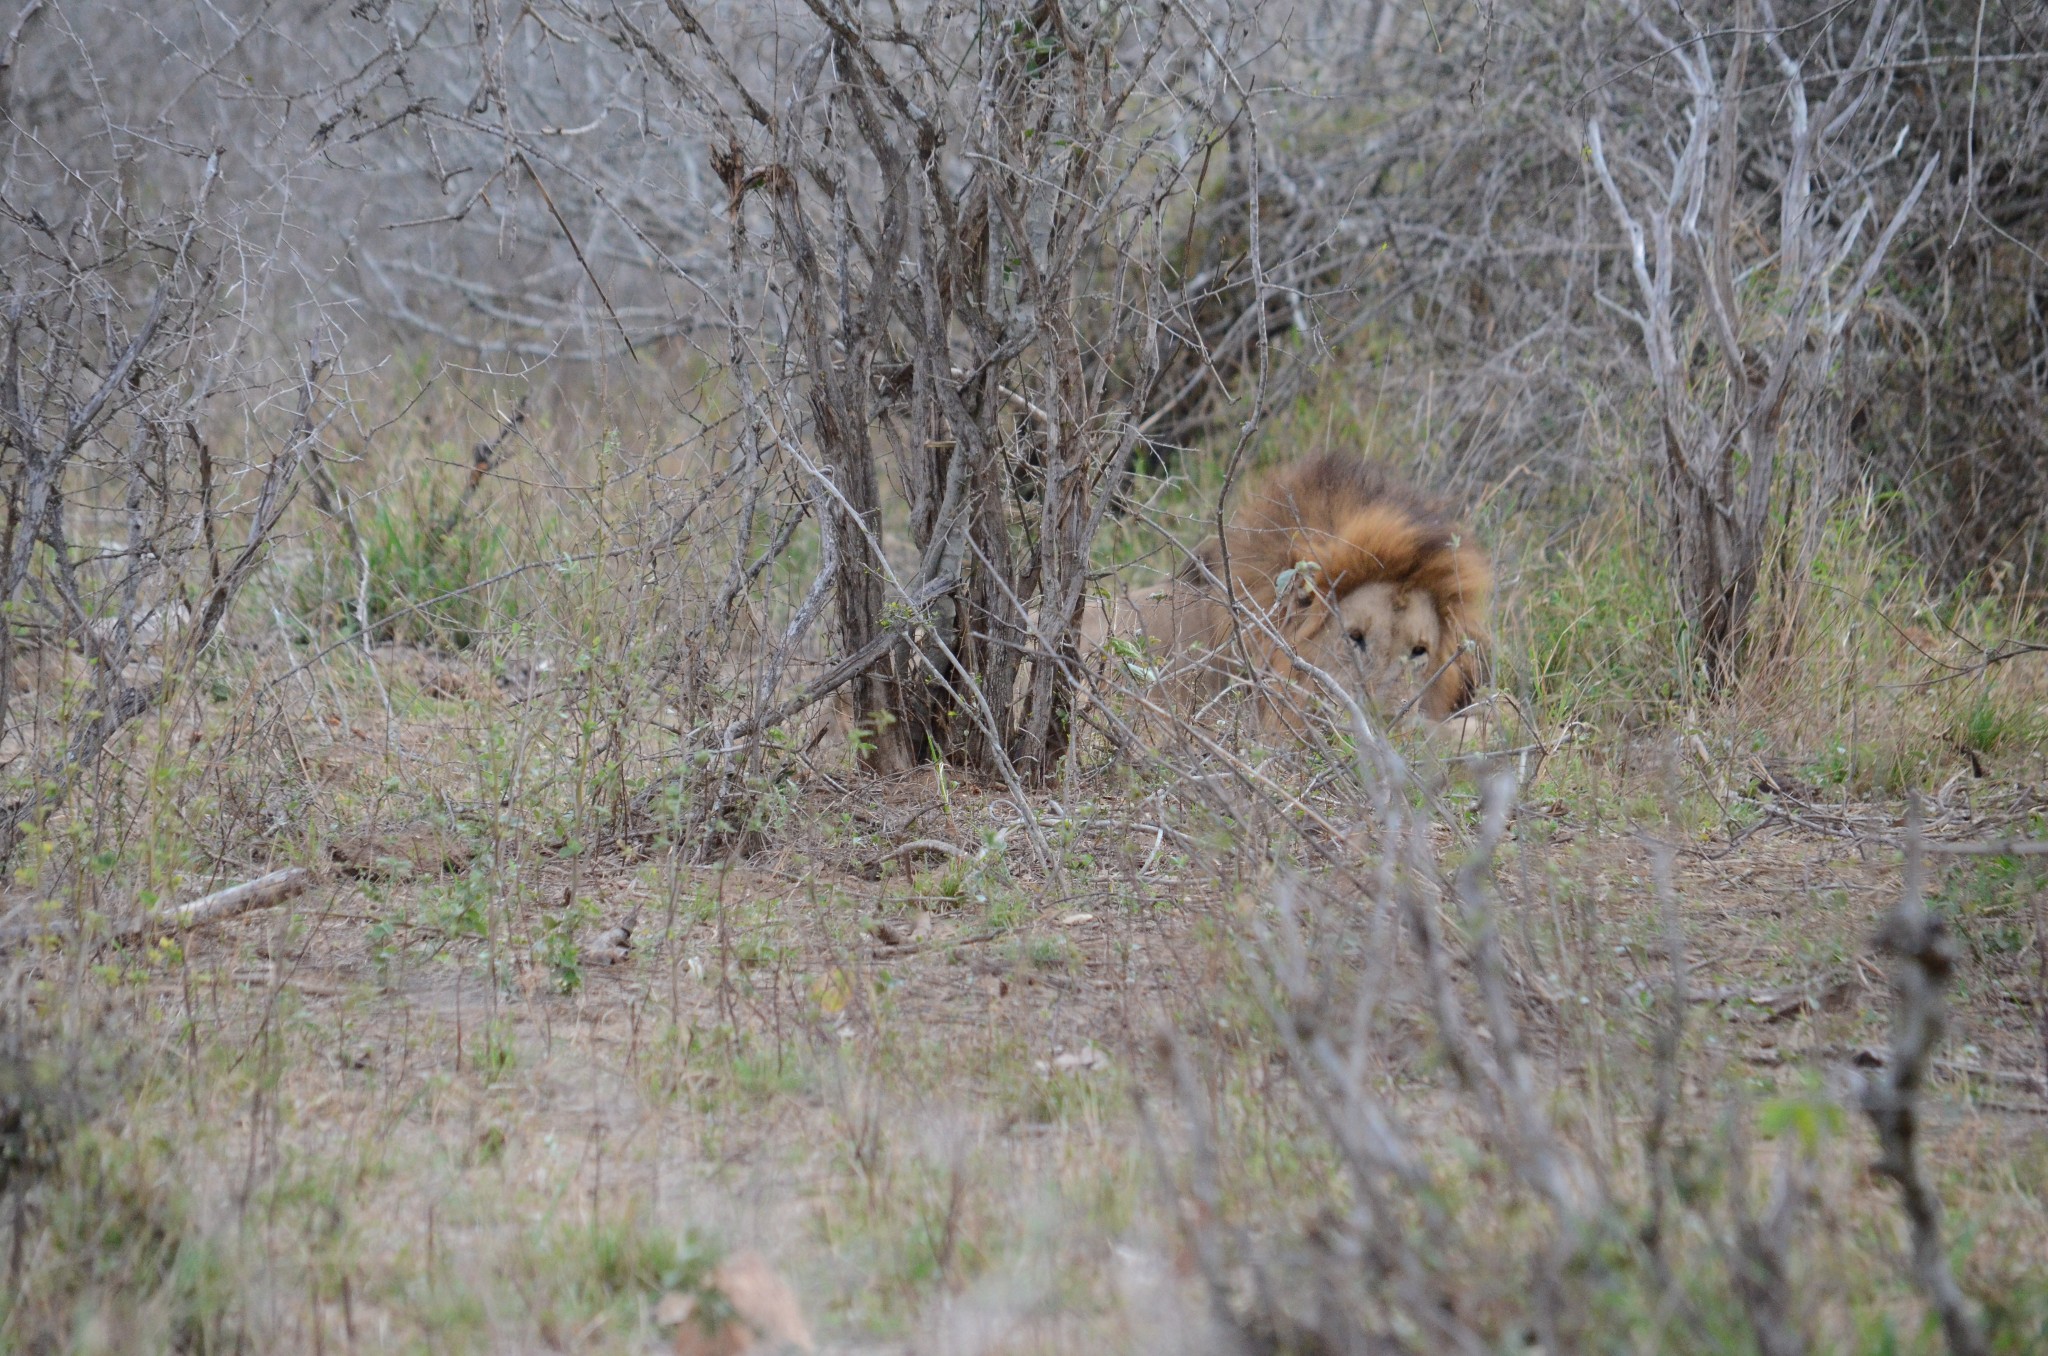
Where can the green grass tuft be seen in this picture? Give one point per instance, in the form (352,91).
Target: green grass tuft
(416,571)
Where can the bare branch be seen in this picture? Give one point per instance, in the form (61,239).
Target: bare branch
(1916,936)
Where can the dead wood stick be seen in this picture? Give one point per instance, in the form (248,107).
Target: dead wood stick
(1990,847)
(2018,1078)
(261,893)
(1925,962)
(936,944)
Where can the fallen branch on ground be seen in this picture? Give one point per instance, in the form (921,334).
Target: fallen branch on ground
(261,893)
(898,952)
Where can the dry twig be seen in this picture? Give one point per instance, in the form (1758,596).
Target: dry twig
(1916,936)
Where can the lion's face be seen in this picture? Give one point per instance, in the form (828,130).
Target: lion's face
(1386,642)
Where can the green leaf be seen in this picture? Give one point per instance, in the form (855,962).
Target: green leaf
(1808,1117)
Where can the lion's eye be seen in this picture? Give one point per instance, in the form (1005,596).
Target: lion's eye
(1419,652)
(1358,639)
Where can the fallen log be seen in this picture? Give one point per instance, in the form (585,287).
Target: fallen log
(235,900)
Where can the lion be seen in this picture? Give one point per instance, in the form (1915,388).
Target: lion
(1334,564)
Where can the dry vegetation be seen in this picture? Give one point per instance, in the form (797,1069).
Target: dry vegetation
(603,497)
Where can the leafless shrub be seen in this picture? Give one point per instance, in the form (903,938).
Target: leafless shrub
(130,527)
(943,303)
(1446,210)
(1396,1266)
(1724,435)
(1949,404)
(718,191)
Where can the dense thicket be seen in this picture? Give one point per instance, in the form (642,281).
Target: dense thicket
(957,266)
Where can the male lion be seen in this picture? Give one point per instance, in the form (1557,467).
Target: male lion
(1358,575)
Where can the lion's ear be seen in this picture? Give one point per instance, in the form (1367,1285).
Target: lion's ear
(1294,588)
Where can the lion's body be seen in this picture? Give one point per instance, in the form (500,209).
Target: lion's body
(1332,564)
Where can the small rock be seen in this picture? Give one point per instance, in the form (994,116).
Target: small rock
(614,946)
(901,932)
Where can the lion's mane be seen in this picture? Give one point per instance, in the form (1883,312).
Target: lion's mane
(1351,525)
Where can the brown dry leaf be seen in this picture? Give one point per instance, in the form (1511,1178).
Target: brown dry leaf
(730,1340)
(765,1313)
(1074,920)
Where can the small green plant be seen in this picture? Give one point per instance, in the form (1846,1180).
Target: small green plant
(123,1240)
(1988,901)
(1807,1116)
(1135,660)
(756,951)
(413,570)
(560,950)
(1008,907)
(499,1056)
(460,907)
(380,939)
(1869,768)
(622,1265)
(1049,953)
(1602,640)
(490,1145)
(764,1074)
(624,1258)
(864,736)
(1988,726)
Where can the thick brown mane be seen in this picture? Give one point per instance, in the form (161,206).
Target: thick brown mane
(1352,525)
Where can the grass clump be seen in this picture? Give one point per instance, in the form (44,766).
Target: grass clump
(413,568)
(1991,723)
(599,1265)
(124,1264)
(1600,640)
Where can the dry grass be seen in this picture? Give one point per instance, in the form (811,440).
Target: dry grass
(425,1107)
(630,959)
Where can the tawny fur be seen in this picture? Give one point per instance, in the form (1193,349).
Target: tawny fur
(1354,549)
